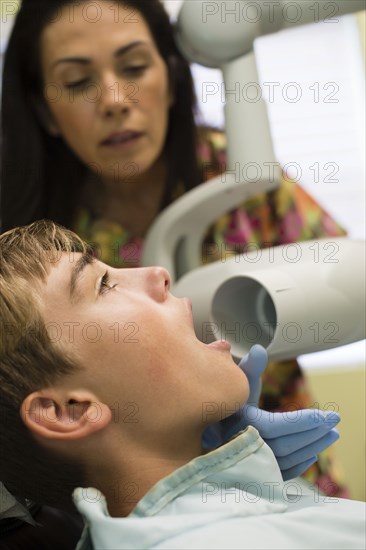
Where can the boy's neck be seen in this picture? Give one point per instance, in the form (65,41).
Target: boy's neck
(125,479)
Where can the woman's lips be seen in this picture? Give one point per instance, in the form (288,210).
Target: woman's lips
(122,139)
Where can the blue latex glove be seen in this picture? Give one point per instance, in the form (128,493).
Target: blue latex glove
(296,437)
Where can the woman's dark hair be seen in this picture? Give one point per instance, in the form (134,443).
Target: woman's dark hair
(40,175)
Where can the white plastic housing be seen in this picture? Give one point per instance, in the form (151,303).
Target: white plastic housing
(213,33)
(174,241)
(292,299)
(250,150)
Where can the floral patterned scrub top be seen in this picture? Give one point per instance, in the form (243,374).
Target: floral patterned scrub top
(285,215)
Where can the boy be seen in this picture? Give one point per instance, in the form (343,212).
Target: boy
(105,386)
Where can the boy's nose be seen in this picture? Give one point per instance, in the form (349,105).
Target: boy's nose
(158,282)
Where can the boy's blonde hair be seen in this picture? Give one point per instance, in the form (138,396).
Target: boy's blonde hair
(29,361)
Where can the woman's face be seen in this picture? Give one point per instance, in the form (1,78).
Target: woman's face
(106,87)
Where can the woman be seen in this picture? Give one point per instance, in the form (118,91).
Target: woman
(28,116)
(99,135)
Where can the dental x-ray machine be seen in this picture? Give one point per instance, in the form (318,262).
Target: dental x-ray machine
(292,299)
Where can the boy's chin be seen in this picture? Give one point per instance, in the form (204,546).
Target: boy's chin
(234,400)
(239,385)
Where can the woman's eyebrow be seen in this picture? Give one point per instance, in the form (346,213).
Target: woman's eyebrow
(85,60)
(83,261)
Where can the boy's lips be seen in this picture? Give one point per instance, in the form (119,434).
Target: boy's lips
(222,345)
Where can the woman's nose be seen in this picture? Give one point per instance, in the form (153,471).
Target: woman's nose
(114,97)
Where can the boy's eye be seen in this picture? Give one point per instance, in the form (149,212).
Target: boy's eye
(105,285)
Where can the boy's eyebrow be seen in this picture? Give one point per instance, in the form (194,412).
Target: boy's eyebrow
(86,61)
(83,261)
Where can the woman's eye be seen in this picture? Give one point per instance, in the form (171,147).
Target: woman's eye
(105,285)
(79,85)
(135,69)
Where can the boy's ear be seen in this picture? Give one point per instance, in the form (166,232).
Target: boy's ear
(46,118)
(59,415)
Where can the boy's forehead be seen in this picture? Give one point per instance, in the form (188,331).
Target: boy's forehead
(60,271)
(64,281)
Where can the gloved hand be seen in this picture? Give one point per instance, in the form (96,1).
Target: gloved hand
(295,437)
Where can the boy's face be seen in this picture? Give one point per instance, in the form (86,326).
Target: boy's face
(137,344)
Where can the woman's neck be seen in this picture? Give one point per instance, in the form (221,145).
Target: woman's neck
(133,203)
